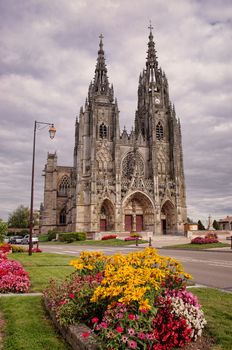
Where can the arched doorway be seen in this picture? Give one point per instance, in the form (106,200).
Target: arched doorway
(107,217)
(168,218)
(138,213)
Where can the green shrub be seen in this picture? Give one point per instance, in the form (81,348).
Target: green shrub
(43,238)
(24,232)
(51,235)
(18,249)
(70,237)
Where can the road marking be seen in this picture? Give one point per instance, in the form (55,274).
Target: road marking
(217,263)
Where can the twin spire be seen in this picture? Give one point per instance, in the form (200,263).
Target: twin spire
(100,85)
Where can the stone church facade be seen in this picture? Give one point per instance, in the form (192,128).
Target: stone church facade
(120,182)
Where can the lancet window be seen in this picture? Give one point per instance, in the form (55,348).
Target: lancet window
(62,217)
(159,131)
(103,131)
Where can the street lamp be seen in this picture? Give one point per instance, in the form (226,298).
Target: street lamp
(52,132)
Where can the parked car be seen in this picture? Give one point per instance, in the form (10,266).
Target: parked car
(15,240)
(26,238)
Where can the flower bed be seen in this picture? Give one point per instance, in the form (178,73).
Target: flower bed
(204,240)
(13,278)
(105,238)
(134,301)
(130,238)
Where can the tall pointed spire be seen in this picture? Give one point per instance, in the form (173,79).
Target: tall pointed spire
(152,63)
(101,83)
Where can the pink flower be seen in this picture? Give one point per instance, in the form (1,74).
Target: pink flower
(62,302)
(95,320)
(71,296)
(130,331)
(119,329)
(144,311)
(124,338)
(141,335)
(132,344)
(104,325)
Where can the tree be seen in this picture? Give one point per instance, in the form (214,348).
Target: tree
(3,230)
(20,217)
(201,227)
(215,225)
(189,220)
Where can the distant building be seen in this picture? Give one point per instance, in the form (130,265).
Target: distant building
(226,223)
(120,181)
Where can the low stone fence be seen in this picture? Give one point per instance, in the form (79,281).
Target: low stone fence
(120,235)
(73,334)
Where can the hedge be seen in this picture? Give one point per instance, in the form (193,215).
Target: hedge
(72,236)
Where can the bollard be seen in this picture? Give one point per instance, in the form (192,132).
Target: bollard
(136,242)
(150,245)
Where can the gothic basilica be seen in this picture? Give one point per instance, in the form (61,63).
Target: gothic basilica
(120,182)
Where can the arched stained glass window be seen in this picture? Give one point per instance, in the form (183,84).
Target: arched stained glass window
(103,131)
(64,186)
(159,131)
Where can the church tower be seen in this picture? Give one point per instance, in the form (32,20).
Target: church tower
(156,121)
(97,132)
(122,182)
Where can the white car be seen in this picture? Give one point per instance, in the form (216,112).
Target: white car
(26,239)
(15,240)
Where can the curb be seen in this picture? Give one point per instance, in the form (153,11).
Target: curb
(2,295)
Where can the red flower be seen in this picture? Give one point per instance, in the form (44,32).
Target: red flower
(131,317)
(71,296)
(85,334)
(119,329)
(95,320)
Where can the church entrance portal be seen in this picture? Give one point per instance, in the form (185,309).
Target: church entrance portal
(106,216)
(168,218)
(138,213)
(128,223)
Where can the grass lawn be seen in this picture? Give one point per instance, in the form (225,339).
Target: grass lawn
(217,307)
(44,266)
(101,243)
(27,327)
(197,246)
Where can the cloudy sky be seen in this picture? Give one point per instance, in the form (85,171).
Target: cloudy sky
(48,55)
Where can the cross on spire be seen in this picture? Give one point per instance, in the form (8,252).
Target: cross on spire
(150,26)
(101,36)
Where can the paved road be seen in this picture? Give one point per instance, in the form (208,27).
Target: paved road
(209,268)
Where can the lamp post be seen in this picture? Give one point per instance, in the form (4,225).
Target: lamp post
(52,132)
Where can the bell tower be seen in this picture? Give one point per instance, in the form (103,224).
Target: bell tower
(97,131)
(156,121)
